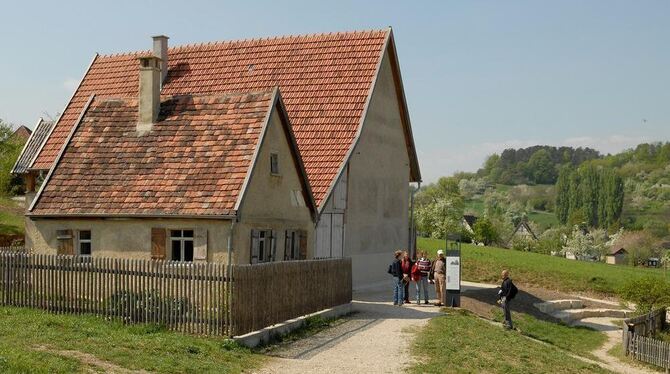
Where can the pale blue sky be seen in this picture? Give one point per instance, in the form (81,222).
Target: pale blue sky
(480,76)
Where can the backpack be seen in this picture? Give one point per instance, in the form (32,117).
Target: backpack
(512,291)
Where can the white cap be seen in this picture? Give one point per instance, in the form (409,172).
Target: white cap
(440,252)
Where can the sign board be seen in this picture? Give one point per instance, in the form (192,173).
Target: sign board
(453,272)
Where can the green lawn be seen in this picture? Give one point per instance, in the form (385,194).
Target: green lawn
(11,217)
(576,339)
(483,264)
(544,219)
(461,343)
(30,341)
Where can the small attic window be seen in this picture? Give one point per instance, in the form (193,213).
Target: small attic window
(274,163)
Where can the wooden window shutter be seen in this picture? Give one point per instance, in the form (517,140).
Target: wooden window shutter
(303,244)
(286,245)
(255,237)
(273,245)
(65,242)
(158,243)
(200,245)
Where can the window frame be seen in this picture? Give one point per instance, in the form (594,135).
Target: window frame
(81,241)
(267,239)
(274,164)
(182,248)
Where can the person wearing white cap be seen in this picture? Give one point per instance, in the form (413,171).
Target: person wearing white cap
(439,275)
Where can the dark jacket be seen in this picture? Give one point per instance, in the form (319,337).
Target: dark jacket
(506,287)
(396,268)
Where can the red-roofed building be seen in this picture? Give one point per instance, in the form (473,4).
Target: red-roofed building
(344,100)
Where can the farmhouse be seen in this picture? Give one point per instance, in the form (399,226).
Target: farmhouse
(340,95)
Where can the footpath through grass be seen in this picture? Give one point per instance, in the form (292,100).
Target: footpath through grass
(30,341)
(461,343)
(483,264)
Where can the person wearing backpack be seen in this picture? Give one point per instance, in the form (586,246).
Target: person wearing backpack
(506,294)
(395,269)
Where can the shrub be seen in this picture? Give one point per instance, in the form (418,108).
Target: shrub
(143,306)
(647,293)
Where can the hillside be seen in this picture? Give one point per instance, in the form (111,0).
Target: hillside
(483,264)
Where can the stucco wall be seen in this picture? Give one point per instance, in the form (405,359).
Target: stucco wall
(376,218)
(268,203)
(127,238)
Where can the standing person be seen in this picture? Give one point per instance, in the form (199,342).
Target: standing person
(440,276)
(421,275)
(395,269)
(507,292)
(406,274)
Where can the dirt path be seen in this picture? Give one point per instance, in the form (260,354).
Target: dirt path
(91,361)
(613,334)
(375,339)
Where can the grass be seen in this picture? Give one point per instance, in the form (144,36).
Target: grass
(576,339)
(544,219)
(483,264)
(26,333)
(11,217)
(461,343)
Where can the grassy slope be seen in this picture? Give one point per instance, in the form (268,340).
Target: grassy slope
(11,216)
(483,264)
(134,347)
(461,343)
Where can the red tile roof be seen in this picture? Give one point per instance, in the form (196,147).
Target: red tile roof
(193,162)
(324,79)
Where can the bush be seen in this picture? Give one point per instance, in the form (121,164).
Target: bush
(143,306)
(647,293)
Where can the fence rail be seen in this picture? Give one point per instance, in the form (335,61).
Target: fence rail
(188,298)
(198,298)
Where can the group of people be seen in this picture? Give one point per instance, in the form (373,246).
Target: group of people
(421,272)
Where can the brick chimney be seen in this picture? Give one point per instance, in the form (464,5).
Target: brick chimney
(161,51)
(150,93)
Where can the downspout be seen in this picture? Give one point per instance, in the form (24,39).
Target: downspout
(229,274)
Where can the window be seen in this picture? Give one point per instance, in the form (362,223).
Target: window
(262,246)
(274,163)
(84,240)
(181,242)
(292,245)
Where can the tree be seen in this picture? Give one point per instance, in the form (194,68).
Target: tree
(582,244)
(541,169)
(10,148)
(485,232)
(439,208)
(647,293)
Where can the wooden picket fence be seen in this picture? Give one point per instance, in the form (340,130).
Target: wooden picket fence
(639,341)
(650,350)
(197,298)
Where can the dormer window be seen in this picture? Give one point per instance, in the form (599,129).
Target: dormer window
(274,163)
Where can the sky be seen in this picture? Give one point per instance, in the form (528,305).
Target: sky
(479,76)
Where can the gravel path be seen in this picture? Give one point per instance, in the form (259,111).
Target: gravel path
(375,339)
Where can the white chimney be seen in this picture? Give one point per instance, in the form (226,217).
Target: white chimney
(161,51)
(149,93)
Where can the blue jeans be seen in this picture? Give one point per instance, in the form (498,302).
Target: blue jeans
(398,291)
(422,284)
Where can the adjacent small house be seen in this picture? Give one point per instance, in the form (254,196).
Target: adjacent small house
(468,223)
(522,231)
(22,133)
(617,256)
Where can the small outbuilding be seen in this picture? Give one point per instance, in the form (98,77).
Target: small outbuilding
(617,256)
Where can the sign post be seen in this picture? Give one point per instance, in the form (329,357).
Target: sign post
(453,257)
